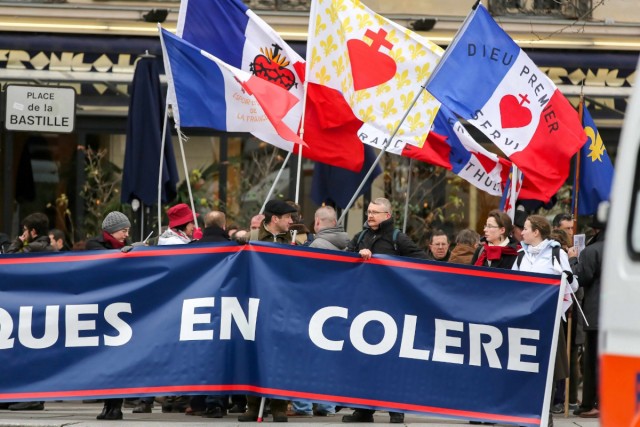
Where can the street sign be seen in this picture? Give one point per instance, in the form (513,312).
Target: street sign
(40,109)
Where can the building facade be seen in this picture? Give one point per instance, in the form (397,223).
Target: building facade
(585,46)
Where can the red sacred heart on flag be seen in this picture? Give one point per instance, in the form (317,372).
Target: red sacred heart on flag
(369,66)
(273,72)
(512,113)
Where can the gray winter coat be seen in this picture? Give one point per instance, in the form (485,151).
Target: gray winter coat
(334,238)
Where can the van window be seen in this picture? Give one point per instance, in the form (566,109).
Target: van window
(634,217)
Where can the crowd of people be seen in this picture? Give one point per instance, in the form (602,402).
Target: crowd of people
(528,243)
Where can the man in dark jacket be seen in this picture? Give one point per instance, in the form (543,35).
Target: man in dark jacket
(274,229)
(589,269)
(439,246)
(214,227)
(34,237)
(379,237)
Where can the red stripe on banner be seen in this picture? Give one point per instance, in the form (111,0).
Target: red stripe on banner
(269,392)
(414,265)
(48,259)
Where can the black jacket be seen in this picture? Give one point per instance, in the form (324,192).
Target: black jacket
(380,241)
(506,261)
(213,234)
(588,268)
(39,244)
(98,243)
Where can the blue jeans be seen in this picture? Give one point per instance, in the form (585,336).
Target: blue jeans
(306,407)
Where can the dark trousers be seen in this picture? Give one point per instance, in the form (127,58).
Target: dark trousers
(114,403)
(590,377)
(277,406)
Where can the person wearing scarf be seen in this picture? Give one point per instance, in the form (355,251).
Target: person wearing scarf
(497,249)
(181,226)
(115,231)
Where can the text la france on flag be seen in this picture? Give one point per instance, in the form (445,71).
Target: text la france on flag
(485,78)
(236,100)
(376,66)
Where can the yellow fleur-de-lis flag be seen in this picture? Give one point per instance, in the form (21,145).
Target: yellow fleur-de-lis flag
(376,66)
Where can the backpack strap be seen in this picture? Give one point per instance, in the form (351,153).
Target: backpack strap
(360,237)
(395,239)
(555,254)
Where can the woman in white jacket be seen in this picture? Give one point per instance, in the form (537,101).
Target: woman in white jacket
(181,226)
(537,256)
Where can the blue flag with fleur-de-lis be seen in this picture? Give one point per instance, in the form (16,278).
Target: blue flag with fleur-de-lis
(596,170)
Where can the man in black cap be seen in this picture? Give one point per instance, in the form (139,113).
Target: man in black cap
(276,224)
(274,228)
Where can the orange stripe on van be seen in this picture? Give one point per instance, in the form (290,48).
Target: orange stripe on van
(619,391)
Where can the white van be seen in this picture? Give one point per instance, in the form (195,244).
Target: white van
(619,335)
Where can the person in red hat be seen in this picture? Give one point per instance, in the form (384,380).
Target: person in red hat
(181,226)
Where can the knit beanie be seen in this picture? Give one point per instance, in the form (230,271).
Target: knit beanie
(115,221)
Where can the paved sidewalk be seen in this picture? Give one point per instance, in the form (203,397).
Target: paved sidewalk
(78,414)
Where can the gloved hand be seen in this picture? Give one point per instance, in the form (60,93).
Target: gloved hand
(197,233)
(130,247)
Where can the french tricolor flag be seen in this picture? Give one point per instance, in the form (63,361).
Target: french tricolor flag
(233,100)
(232,32)
(485,78)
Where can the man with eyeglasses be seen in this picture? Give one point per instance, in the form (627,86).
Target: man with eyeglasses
(380,237)
(439,246)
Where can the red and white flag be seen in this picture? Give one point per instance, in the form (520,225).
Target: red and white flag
(370,69)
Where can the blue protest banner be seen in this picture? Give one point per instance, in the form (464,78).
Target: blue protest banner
(390,333)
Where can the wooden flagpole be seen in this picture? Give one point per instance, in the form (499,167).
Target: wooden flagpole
(576,189)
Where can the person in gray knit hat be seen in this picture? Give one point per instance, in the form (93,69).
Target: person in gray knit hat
(115,221)
(115,230)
